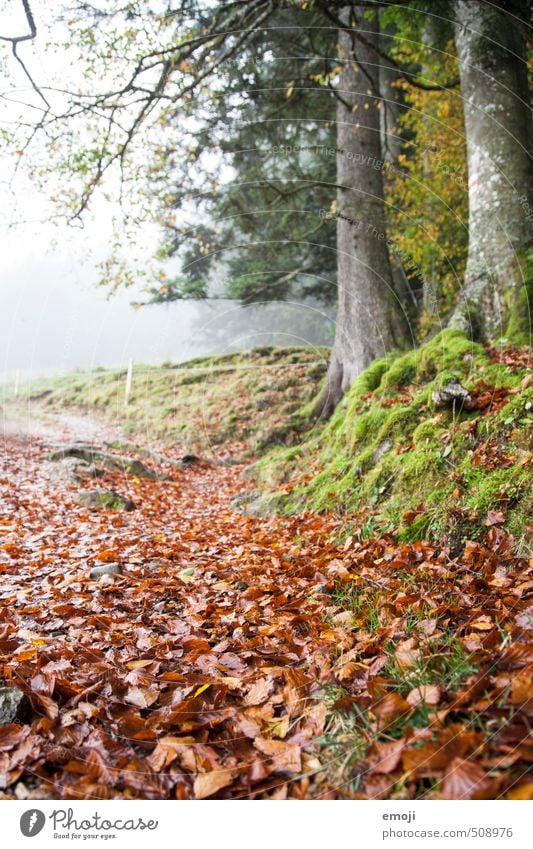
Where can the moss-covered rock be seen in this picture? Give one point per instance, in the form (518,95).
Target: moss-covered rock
(103,499)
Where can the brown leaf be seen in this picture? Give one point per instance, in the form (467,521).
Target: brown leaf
(259,691)
(389,708)
(208,783)
(464,779)
(11,736)
(167,750)
(142,697)
(495,517)
(425,694)
(522,689)
(386,756)
(522,791)
(286,757)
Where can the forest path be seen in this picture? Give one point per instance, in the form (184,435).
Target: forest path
(225,649)
(197,668)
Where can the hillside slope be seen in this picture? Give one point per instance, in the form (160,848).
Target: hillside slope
(400,462)
(240,403)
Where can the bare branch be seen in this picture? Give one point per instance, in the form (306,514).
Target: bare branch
(17,39)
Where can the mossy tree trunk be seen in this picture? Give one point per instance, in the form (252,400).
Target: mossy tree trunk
(370,320)
(491,52)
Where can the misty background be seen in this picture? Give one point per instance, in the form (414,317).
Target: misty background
(53,316)
(54,319)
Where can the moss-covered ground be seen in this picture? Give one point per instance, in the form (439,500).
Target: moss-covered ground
(245,399)
(388,453)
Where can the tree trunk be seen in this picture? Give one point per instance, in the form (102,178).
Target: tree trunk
(369,318)
(393,107)
(491,53)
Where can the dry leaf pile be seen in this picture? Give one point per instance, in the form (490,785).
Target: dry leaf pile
(251,658)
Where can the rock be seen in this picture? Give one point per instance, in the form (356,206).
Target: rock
(103,499)
(153,565)
(381,450)
(105,569)
(91,455)
(244,498)
(188,460)
(14,706)
(261,505)
(451,394)
(89,470)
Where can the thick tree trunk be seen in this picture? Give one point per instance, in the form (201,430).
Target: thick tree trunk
(491,52)
(369,318)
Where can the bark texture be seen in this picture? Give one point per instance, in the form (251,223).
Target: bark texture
(491,52)
(369,317)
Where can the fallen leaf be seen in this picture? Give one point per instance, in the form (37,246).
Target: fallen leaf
(425,694)
(208,783)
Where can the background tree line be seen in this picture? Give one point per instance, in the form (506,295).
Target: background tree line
(374,154)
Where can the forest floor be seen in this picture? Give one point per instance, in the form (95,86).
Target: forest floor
(241,657)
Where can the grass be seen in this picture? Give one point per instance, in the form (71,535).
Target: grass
(201,404)
(352,733)
(387,456)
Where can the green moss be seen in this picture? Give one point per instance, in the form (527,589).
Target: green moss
(400,420)
(427,431)
(400,371)
(449,351)
(368,424)
(490,488)
(411,464)
(371,378)
(520,306)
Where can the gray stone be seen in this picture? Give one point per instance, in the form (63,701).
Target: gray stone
(244,498)
(451,394)
(105,569)
(266,504)
(153,565)
(91,455)
(14,706)
(103,499)
(381,450)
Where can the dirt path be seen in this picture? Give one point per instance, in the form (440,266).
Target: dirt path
(205,667)
(185,674)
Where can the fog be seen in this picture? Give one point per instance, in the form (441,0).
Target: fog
(55,319)
(53,316)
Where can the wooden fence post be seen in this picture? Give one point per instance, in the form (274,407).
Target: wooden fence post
(129,380)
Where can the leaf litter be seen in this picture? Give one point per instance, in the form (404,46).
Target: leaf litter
(238,657)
